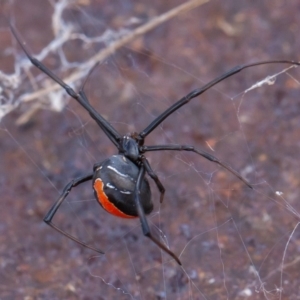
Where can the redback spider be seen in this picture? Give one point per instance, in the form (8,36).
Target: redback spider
(119,182)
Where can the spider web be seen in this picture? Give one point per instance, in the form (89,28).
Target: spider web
(234,243)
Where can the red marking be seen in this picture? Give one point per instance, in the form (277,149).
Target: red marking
(105,203)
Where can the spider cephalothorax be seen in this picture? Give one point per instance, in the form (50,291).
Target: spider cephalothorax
(130,148)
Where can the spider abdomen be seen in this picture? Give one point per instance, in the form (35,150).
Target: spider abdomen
(114,184)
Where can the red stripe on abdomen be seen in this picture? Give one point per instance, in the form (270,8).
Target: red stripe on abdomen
(105,202)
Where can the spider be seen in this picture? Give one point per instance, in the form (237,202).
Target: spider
(119,182)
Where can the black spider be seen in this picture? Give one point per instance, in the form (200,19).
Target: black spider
(119,182)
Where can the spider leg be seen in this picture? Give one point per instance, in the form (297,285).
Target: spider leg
(84,97)
(112,134)
(108,134)
(200,152)
(154,177)
(186,99)
(52,211)
(143,219)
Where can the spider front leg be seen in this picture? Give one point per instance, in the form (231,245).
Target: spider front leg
(112,134)
(52,211)
(142,216)
(200,152)
(82,94)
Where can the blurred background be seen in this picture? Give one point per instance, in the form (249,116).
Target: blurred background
(234,242)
